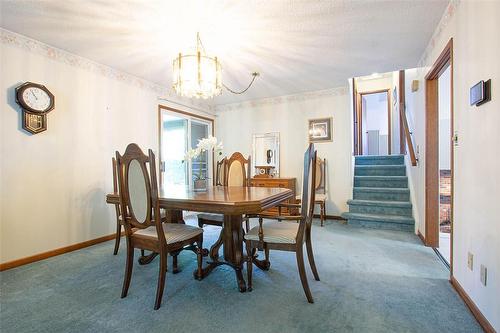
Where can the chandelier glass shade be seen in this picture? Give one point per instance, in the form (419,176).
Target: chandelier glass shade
(196,74)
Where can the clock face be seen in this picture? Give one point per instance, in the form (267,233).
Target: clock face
(36,99)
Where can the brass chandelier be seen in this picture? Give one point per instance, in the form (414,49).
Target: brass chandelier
(199,75)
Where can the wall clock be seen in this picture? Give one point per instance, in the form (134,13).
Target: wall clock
(36,101)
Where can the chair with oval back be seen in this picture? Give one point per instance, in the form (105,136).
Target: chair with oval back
(119,221)
(288,236)
(236,173)
(144,230)
(320,189)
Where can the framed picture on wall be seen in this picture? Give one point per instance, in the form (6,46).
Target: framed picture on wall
(321,130)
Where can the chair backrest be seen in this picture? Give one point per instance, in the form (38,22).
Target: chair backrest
(220,172)
(237,170)
(320,180)
(115,185)
(308,191)
(138,190)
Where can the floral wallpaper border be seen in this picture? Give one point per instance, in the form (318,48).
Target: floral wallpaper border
(443,23)
(339,91)
(10,38)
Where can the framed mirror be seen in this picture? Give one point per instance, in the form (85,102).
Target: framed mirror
(266,155)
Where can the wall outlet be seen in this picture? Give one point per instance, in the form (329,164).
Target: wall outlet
(484,275)
(470,261)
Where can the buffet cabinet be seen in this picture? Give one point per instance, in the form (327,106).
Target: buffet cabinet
(276,182)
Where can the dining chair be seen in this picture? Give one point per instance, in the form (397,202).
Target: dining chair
(236,173)
(144,230)
(119,221)
(285,235)
(320,189)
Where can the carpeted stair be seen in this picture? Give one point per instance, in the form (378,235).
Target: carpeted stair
(381,198)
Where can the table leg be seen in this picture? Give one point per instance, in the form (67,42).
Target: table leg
(232,238)
(146,259)
(233,246)
(174,216)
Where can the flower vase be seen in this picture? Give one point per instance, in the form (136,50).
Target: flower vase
(200,185)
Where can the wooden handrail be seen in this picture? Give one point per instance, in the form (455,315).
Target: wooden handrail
(409,142)
(404,120)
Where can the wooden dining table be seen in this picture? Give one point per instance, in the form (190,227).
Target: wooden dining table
(233,203)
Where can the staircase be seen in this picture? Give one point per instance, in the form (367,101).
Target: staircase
(381,198)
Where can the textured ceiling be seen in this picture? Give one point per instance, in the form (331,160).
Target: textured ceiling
(297,46)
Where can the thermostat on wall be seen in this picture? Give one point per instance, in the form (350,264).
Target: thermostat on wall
(480,93)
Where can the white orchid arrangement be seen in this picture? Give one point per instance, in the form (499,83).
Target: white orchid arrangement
(210,144)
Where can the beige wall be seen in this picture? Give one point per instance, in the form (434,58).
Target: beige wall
(474,27)
(288,115)
(53,184)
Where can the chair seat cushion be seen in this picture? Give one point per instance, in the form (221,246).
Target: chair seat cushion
(275,232)
(174,232)
(211,217)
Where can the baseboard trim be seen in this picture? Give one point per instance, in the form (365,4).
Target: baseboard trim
(53,253)
(481,319)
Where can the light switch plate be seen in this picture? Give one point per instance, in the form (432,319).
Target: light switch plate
(470,261)
(484,275)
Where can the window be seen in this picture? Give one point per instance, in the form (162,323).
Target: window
(178,131)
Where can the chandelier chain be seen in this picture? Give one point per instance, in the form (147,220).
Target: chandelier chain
(254,74)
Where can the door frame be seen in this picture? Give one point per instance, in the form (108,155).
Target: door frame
(444,61)
(358,128)
(187,115)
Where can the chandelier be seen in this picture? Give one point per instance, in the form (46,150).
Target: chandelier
(198,75)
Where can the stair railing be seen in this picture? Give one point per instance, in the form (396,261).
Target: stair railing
(404,119)
(407,133)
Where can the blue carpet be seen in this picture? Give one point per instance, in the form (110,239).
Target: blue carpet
(371,281)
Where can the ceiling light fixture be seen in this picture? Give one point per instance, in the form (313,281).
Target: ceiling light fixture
(199,75)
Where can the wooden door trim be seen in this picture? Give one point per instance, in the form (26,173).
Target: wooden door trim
(444,61)
(359,96)
(355,116)
(402,106)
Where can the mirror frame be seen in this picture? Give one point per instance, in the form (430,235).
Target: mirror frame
(276,136)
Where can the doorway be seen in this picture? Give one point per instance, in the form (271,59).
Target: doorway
(444,111)
(374,119)
(439,156)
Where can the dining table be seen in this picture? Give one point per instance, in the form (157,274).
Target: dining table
(233,202)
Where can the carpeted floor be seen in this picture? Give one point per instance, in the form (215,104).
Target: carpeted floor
(371,281)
